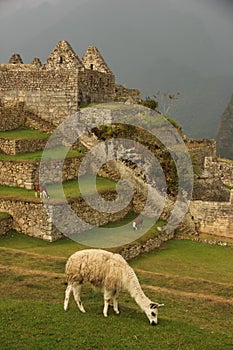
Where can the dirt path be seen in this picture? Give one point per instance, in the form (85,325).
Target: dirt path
(204,297)
(174,292)
(182,278)
(24,271)
(46,256)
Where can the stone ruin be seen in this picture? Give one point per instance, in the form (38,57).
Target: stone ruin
(57,88)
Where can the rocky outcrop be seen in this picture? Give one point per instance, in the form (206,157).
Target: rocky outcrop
(224,135)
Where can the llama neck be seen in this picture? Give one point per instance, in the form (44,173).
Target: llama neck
(135,290)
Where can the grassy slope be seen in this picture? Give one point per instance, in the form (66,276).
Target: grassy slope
(32,291)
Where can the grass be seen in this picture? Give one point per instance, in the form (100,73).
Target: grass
(70,188)
(53,153)
(115,235)
(191,259)
(32,291)
(23,134)
(4,216)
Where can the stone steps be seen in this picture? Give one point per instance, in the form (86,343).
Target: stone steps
(34,122)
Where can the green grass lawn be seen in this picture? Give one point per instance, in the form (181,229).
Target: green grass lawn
(32,291)
(53,153)
(23,134)
(186,258)
(70,188)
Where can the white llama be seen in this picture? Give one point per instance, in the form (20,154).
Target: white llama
(110,273)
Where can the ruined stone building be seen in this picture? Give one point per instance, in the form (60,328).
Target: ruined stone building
(64,82)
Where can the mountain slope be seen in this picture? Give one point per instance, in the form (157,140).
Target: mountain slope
(224,135)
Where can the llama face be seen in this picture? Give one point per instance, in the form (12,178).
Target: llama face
(152,313)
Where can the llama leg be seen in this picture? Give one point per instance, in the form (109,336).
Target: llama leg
(107,300)
(67,296)
(115,303)
(77,291)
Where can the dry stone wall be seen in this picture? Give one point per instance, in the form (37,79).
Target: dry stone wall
(220,168)
(56,89)
(25,173)
(17,174)
(213,218)
(30,218)
(14,147)
(6,225)
(11,115)
(135,249)
(199,149)
(34,220)
(47,93)
(95,86)
(124,94)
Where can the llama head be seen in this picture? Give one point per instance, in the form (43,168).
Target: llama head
(152,313)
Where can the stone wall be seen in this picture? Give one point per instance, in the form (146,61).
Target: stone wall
(32,219)
(122,94)
(11,115)
(25,173)
(21,146)
(95,87)
(136,248)
(50,94)
(199,149)
(220,168)
(53,95)
(5,225)
(213,218)
(17,174)
(50,171)
(56,89)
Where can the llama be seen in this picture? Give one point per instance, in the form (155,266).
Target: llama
(109,272)
(137,223)
(41,190)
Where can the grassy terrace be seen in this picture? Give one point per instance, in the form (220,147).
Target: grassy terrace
(31,134)
(53,153)
(193,280)
(71,189)
(23,134)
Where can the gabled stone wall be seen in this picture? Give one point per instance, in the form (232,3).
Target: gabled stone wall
(55,90)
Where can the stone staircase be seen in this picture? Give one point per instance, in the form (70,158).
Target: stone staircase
(125,165)
(34,122)
(186,230)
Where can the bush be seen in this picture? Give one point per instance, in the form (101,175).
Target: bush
(149,103)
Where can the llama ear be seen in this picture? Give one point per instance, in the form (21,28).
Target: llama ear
(155,305)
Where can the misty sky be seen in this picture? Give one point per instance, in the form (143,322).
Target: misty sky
(171,45)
